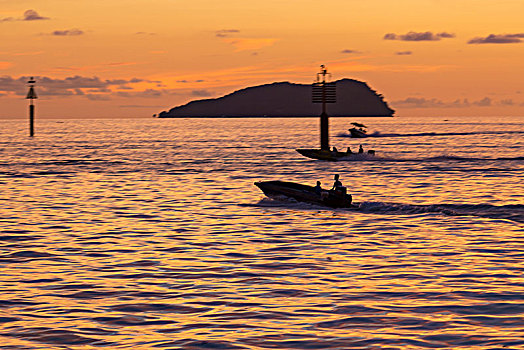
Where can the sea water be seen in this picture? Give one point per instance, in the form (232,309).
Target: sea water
(149,234)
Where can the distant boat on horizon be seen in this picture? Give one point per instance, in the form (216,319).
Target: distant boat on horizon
(358,130)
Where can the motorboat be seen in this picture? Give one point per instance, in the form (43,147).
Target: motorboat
(358,130)
(321,154)
(335,155)
(306,193)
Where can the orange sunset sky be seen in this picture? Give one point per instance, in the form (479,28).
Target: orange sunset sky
(135,58)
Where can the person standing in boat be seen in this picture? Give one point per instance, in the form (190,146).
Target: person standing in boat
(360,149)
(337,186)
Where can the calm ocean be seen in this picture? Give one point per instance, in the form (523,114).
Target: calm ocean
(149,234)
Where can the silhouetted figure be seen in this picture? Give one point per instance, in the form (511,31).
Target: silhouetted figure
(360,149)
(337,183)
(318,189)
(337,186)
(348,151)
(335,150)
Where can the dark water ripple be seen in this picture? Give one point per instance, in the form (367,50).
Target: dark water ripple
(54,336)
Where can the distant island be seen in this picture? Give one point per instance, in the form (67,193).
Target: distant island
(284,99)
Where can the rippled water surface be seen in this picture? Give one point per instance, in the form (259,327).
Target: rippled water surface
(149,234)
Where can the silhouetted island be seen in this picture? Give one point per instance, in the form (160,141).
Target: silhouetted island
(354,99)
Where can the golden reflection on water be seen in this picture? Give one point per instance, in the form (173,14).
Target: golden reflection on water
(166,243)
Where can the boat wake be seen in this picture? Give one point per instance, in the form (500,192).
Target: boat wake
(512,212)
(382,157)
(378,134)
(466,159)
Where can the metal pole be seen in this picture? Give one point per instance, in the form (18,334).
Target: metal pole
(31,119)
(324,122)
(324,119)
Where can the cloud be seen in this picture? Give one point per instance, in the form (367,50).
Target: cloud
(245,44)
(68,32)
(348,51)
(32,15)
(507,102)
(446,35)
(421,102)
(498,39)
(485,102)
(201,93)
(29,15)
(91,88)
(149,93)
(418,36)
(97,97)
(185,81)
(226,32)
(5,65)
(403,53)
(418,102)
(76,85)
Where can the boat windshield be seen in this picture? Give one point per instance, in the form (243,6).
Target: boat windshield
(358,125)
